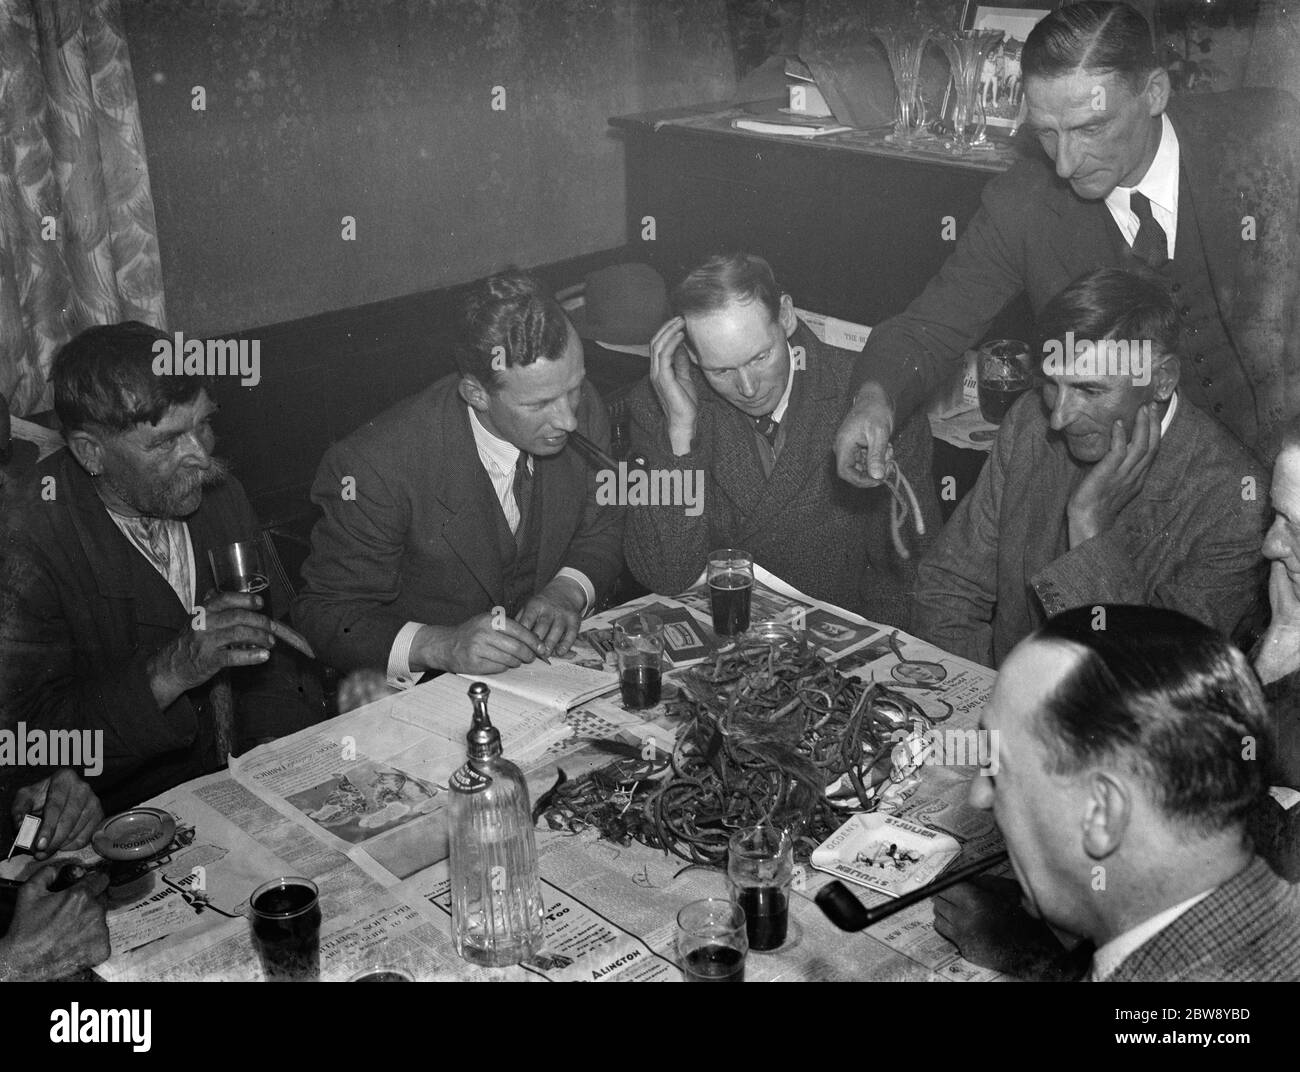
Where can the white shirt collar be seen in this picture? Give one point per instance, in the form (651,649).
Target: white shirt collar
(1168,418)
(497,454)
(1111,955)
(1160,183)
(779,413)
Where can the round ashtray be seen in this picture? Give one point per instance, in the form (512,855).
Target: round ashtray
(774,633)
(138,834)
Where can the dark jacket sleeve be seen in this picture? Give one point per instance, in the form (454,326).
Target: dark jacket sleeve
(911,354)
(47,683)
(597,545)
(666,546)
(353,576)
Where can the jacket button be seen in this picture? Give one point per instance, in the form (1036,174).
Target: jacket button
(1199,359)
(1207,383)
(1184,310)
(1176,288)
(1218,407)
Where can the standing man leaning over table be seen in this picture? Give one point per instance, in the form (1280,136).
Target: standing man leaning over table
(1205,197)
(464,499)
(742,392)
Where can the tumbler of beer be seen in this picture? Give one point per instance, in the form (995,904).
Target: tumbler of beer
(1004,375)
(731,584)
(286,926)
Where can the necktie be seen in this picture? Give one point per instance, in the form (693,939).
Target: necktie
(767,428)
(523,489)
(1151,244)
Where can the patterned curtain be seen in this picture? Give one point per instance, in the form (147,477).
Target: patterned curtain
(78,241)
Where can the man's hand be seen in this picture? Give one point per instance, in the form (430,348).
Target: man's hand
(485,644)
(233,634)
(1117,479)
(670,375)
(862,447)
(1279,650)
(56,934)
(554,615)
(985,920)
(70,812)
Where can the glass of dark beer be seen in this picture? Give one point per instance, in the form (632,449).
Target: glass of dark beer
(731,584)
(711,942)
(1003,375)
(639,647)
(760,870)
(238,567)
(286,926)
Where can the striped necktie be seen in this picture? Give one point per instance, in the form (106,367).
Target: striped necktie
(523,489)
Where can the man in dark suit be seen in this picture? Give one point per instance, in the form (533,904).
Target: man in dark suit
(1100,488)
(747,397)
(106,624)
(1129,758)
(1207,198)
(459,533)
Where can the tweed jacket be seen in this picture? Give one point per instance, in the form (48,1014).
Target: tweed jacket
(82,612)
(1246,931)
(1240,162)
(1188,541)
(802,522)
(417,541)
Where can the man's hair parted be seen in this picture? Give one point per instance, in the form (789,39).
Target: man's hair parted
(725,278)
(1092,35)
(1167,698)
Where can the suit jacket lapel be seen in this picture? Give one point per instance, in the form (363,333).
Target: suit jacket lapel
(470,529)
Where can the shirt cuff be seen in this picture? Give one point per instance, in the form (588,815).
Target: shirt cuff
(588,589)
(400,674)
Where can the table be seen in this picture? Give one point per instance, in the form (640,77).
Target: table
(291,807)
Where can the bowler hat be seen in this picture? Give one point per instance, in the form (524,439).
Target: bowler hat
(625,304)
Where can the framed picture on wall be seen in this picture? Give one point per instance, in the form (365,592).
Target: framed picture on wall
(1001,88)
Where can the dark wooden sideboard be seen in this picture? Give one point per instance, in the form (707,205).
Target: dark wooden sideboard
(852,228)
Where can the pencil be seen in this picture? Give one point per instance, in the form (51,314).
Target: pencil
(844,909)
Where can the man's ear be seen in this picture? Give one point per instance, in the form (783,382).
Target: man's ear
(1165,376)
(788,320)
(1157,91)
(474,393)
(1108,810)
(87,448)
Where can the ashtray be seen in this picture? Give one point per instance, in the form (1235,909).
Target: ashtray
(134,836)
(886,853)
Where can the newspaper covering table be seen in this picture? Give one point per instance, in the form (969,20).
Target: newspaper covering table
(357,804)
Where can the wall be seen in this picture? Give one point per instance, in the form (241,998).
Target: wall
(381,110)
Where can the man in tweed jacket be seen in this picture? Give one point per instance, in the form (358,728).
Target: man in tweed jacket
(1103,489)
(752,405)
(1132,744)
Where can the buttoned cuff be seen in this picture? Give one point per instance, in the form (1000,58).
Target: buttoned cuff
(400,674)
(584,582)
